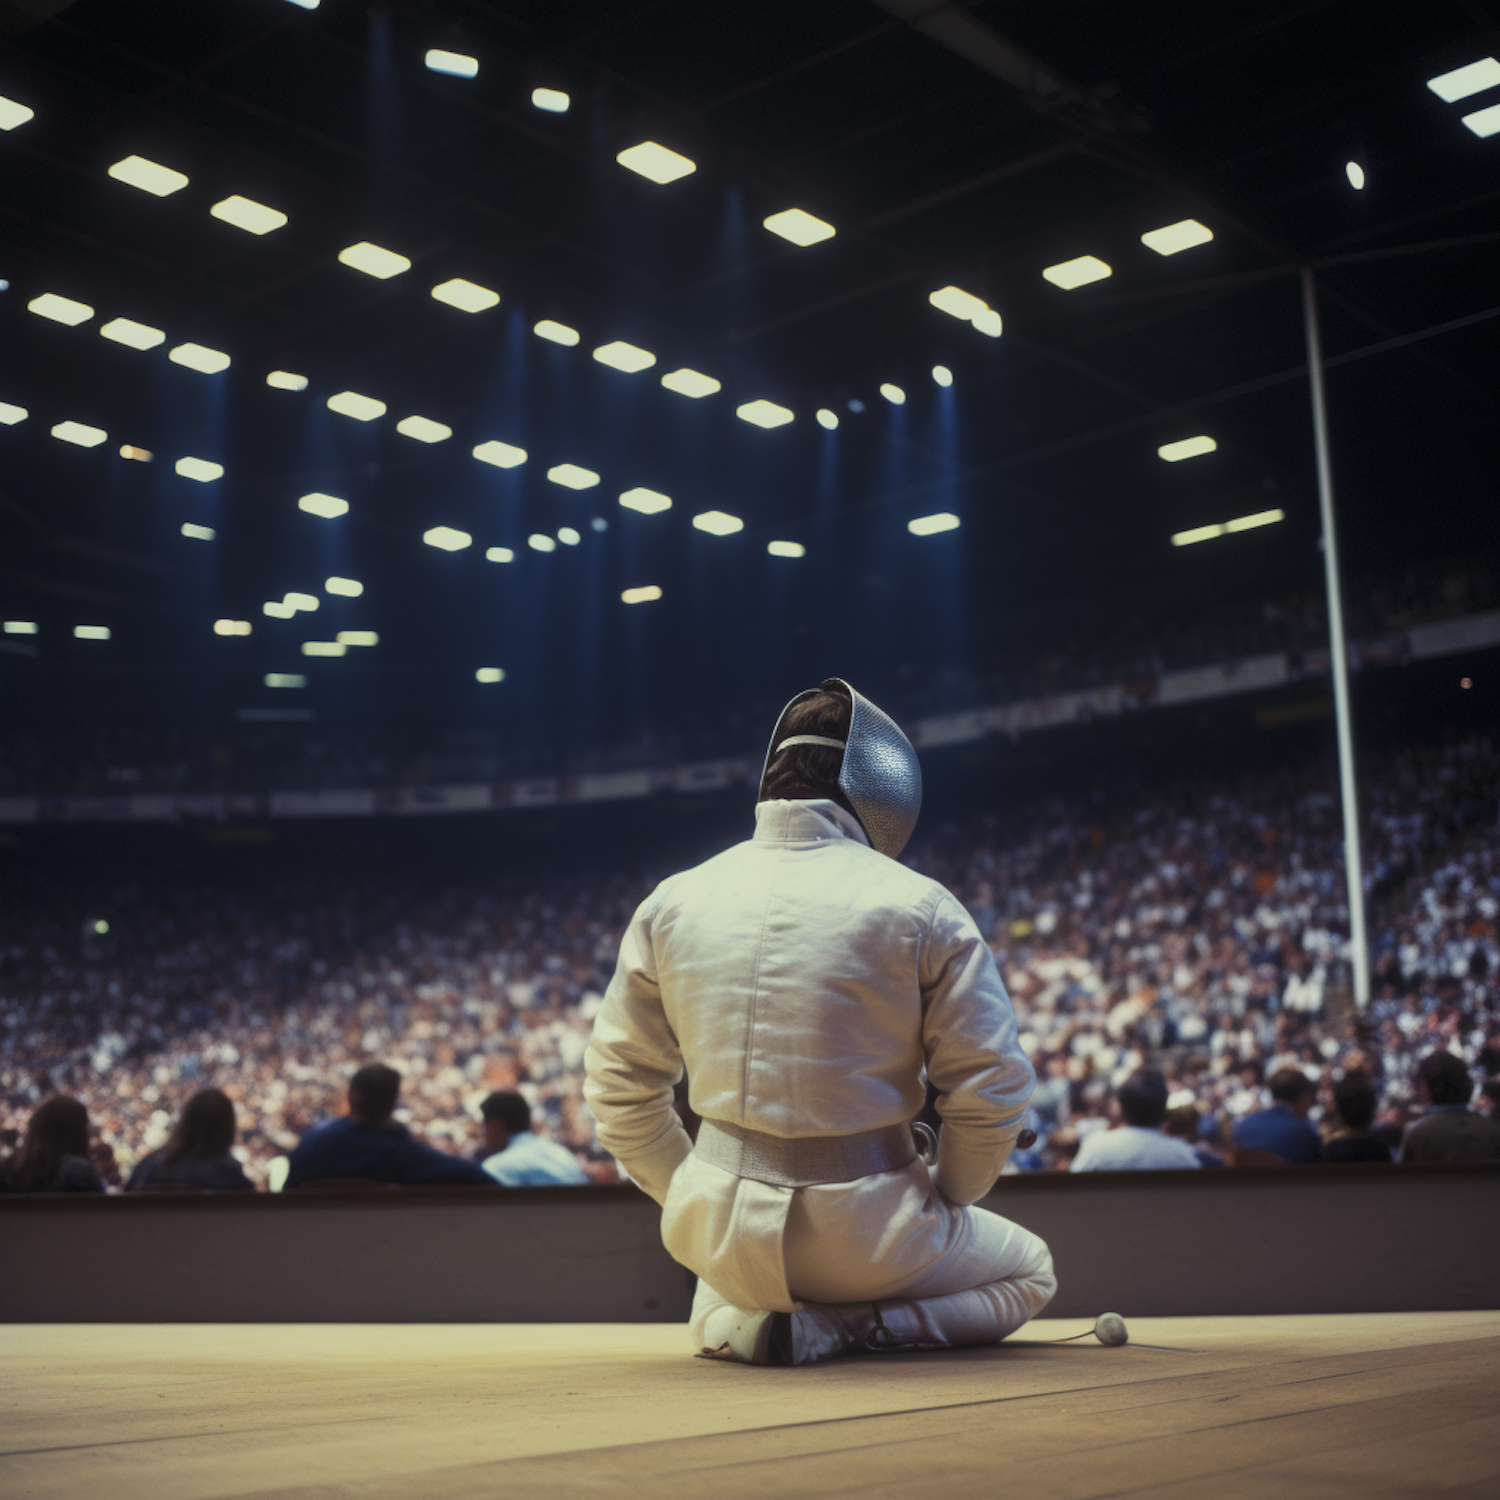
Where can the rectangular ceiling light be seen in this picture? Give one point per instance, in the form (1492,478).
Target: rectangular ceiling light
(200,469)
(91,632)
(1244,523)
(656,162)
(499,554)
(1484,122)
(502,455)
(148,176)
(930,525)
(572,477)
(988,323)
(1079,272)
(786,549)
(352,404)
(554,101)
(622,356)
(10,415)
(13,114)
(278,609)
(284,380)
(196,533)
(644,595)
(295,601)
(718,523)
(286,679)
(373,261)
(423,429)
(135,335)
(20,627)
(490,674)
(196,357)
(80,433)
(1182,235)
(1469,79)
(691,383)
(327,506)
(556,333)
(569,536)
(799,227)
(1260,518)
(60,309)
(447,538)
(763,414)
(454,64)
(357,638)
(541,541)
(957,303)
(466,296)
(323,648)
(247,214)
(1186,448)
(231,627)
(140,455)
(350,588)
(648,502)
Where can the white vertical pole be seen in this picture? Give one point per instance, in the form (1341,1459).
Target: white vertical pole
(1353,863)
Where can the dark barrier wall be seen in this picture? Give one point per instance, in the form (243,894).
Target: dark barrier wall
(1310,1240)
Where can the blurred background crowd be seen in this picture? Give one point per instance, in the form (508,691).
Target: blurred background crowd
(1197,927)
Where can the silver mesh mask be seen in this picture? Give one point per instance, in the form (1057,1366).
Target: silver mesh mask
(880,775)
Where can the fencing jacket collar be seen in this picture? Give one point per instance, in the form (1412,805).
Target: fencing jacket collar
(787,821)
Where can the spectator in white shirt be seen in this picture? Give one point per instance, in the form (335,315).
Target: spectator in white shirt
(519,1156)
(1140,1144)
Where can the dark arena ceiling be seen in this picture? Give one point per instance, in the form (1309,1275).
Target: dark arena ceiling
(968,145)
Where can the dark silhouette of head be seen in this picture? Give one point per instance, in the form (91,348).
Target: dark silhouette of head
(1354,1099)
(1143,1098)
(1446,1078)
(205,1127)
(59,1128)
(505,1114)
(373,1092)
(1293,1088)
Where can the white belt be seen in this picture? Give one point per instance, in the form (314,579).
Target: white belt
(804,1161)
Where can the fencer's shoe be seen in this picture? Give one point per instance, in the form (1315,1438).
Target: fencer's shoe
(747,1338)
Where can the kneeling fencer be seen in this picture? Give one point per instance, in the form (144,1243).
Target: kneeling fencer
(806,978)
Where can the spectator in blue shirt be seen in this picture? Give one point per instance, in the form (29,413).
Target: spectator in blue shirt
(518,1156)
(1283,1130)
(367,1142)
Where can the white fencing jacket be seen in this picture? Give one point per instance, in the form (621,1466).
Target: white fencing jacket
(805,980)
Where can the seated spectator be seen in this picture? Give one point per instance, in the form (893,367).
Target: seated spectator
(1183,1123)
(53,1157)
(519,1157)
(197,1153)
(1283,1129)
(1354,1102)
(1139,1144)
(1449,1130)
(367,1142)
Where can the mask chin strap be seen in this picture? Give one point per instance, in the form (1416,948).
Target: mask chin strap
(810,739)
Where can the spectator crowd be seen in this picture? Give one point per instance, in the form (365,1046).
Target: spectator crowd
(1178,964)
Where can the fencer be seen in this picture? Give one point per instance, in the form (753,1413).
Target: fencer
(805,978)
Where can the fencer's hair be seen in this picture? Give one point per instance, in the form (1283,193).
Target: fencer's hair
(1354,1099)
(1291,1086)
(204,1128)
(373,1092)
(1143,1098)
(510,1108)
(1447,1078)
(805,771)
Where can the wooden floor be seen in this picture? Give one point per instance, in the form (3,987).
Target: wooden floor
(1351,1406)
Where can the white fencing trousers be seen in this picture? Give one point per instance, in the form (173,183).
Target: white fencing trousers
(989,1277)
